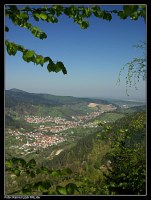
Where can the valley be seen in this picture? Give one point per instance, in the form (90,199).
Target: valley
(50,131)
(62,134)
(65,125)
(40,130)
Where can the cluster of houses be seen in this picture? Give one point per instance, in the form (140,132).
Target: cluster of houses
(37,119)
(89,116)
(35,141)
(61,123)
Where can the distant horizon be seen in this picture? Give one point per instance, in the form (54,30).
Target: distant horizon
(93,57)
(92,97)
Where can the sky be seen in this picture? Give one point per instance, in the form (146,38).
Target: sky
(93,57)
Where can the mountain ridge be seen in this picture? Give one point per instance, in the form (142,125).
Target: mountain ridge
(22,91)
(16,96)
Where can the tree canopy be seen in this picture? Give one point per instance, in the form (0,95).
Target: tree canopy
(21,16)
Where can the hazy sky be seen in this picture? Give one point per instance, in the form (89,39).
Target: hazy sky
(93,57)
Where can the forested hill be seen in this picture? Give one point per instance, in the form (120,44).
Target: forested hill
(16,96)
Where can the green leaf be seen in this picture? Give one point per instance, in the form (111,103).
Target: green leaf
(24,16)
(7,43)
(51,10)
(11,49)
(42,61)
(34,29)
(38,59)
(43,16)
(55,20)
(88,12)
(36,14)
(28,25)
(36,18)
(27,8)
(51,67)
(9,163)
(132,11)
(122,15)
(25,58)
(37,32)
(33,59)
(17,172)
(114,11)
(61,190)
(42,35)
(107,16)
(6,29)
(57,68)
(42,186)
(64,70)
(60,66)
(70,188)
(45,8)
(59,10)
(127,10)
(56,173)
(95,8)
(29,54)
(134,16)
(84,24)
(46,59)
(52,19)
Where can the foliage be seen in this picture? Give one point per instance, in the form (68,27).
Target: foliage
(136,68)
(79,14)
(73,156)
(19,166)
(109,116)
(70,188)
(127,172)
(122,143)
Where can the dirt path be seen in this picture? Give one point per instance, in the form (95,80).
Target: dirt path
(58,152)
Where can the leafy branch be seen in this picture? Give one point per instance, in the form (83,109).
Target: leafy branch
(50,14)
(136,69)
(31,56)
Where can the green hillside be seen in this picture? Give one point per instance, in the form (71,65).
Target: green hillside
(108,162)
(62,145)
(15,96)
